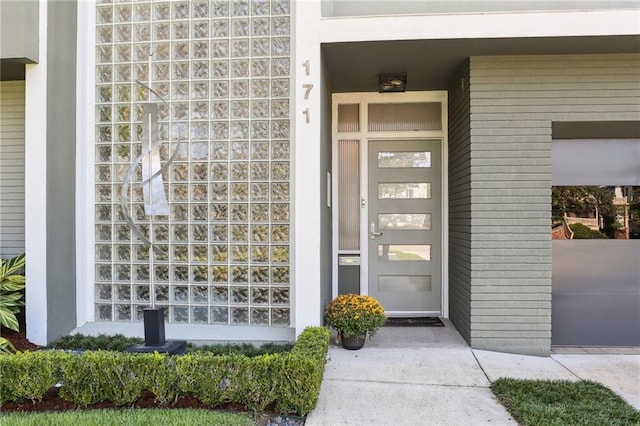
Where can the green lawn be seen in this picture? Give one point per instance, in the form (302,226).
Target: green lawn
(137,417)
(540,402)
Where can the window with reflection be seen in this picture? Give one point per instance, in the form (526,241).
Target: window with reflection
(596,212)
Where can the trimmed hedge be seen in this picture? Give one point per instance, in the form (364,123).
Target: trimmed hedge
(291,381)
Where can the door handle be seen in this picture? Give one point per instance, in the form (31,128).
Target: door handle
(372,231)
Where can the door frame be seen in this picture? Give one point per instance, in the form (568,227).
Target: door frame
(363,136)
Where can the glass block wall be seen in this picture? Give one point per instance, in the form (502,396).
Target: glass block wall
(223,66)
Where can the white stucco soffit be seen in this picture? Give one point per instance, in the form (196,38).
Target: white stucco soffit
(482,25)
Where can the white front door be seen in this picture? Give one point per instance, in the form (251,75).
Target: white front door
(389,199)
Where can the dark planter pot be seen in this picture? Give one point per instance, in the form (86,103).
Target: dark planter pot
(354,342)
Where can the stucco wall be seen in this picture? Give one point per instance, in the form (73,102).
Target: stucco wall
(514,101)
(61,149)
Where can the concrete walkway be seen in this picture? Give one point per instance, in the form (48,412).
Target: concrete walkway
(429,375)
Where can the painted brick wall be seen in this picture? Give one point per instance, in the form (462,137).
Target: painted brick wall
(513,102)
(460,203)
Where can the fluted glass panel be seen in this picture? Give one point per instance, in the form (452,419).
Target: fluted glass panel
(349,194)
(405,117)
(349,118)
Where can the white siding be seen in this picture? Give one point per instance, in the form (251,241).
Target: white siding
(11,168)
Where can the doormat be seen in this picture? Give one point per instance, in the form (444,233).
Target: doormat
(414,322)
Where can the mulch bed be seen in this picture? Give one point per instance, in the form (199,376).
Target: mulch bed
(53,402)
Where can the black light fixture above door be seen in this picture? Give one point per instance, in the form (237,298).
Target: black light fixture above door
(392,82)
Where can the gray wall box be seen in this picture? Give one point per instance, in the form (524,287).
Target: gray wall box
(348,274)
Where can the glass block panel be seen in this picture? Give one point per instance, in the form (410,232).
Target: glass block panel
(259,233)
(240,295)
(199,294)
(280,296)
(280,171)
(280,212)
(280,25)
(259,254)
(260,88)
(141,293)
(280,254)
(179,314)
(280,316)
(259,316)
(219,232)
(104,312)
(180,294)
(104,15)
(180,274)
(162,273)
(141,273)
(259,212)
(123,313)
(219,212)
(280,275)
(162,293)
(260,26)
(219,273)
(239,254)
(123,293)
(240,316)
(103,293)
(239,274)
(200,314)
(219,315)
(224,65)
(260,274)
(220,295)
(280,233)
(200,274)
(200,29)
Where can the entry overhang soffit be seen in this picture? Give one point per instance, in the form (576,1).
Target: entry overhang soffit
(430,64)
(431,47)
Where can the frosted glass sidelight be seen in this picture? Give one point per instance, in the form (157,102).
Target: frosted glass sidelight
(349,194)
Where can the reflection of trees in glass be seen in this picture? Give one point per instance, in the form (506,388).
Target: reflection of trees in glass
(614,210)
(404,159)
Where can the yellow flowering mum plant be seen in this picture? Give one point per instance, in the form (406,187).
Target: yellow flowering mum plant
(354,314)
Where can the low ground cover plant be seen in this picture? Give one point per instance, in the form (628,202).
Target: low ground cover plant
(287,381)
(127,417)
(119,342)
(543,402)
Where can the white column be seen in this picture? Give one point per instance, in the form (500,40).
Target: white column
(306,165)
(36,188)
(85,160)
